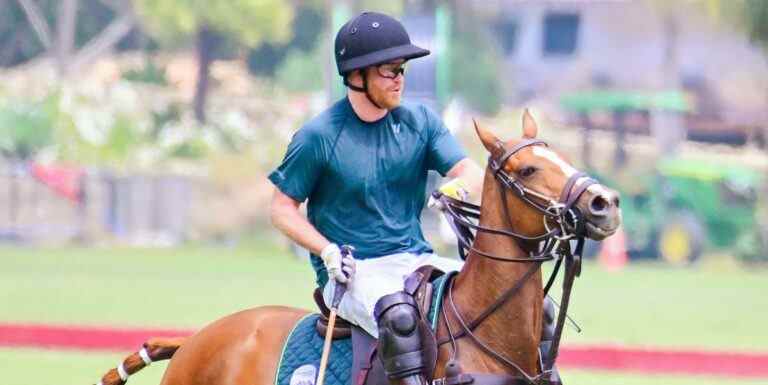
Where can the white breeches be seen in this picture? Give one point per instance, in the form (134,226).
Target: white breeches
(377,277)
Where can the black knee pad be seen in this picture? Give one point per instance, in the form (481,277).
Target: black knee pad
(400,335)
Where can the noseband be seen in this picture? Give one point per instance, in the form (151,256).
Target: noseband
(562,222)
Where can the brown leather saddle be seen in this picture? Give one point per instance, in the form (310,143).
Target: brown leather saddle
(367,368)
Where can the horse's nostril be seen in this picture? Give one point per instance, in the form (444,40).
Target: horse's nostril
(616,201)
(598,206)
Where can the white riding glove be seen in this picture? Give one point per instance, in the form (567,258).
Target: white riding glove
(340,267)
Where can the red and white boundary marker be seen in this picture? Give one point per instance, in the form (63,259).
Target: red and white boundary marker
(598,357)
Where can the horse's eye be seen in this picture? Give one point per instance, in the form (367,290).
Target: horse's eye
(527,171)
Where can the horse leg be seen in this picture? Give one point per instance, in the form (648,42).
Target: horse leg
(243,348)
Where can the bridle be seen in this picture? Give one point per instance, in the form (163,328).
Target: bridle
(562,222)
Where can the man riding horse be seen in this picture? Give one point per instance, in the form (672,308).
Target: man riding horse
(362,166)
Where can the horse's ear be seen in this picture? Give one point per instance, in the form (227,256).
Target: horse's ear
(530,129)
(489,140)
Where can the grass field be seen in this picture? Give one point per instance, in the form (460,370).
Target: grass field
(649,304)
(32,366)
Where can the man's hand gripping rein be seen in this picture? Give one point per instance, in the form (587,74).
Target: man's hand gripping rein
(455,188)
(341,266)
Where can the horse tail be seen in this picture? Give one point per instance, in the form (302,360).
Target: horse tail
(155,349)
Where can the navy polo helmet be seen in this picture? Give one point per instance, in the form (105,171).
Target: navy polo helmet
(373,38)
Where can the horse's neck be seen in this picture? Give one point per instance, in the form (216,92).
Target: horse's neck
(515,328)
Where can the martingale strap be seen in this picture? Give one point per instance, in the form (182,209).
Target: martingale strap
(572,270)
(468,327)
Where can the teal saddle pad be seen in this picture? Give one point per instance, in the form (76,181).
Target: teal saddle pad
(300,360)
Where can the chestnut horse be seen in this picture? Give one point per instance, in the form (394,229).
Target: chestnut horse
(245,347)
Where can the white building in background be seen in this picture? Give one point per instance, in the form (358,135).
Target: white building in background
(555,47)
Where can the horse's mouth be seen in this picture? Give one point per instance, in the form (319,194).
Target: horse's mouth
(598,232)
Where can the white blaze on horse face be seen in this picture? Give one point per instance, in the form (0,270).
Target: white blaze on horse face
(567,169)
(552,156)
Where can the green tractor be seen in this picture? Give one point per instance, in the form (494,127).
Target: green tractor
(690,206)
(681,207)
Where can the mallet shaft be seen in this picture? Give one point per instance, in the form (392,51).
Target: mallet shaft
(326,347)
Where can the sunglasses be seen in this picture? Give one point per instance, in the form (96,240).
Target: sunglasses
(391,71)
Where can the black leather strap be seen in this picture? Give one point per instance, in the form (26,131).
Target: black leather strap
(363,89)
(569,196)
(497,164)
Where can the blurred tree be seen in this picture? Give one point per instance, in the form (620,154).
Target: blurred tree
(265,59)
(18,42)
(250,22)
(395,8)
(474,61)
(307,25)
(26,29)
(754,15)
(63,43)
(25,129)
(751,16)
(300,71)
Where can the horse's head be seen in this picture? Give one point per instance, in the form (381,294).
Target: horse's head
(542,191)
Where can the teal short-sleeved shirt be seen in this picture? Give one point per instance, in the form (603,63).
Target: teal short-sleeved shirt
(365,182)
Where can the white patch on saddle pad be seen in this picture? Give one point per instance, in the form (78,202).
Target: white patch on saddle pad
(304,375)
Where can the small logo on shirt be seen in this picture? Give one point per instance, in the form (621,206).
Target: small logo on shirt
(396,128)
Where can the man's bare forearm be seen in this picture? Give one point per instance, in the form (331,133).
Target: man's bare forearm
(287,218)
(296,226)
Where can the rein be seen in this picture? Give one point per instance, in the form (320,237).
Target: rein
(562,222)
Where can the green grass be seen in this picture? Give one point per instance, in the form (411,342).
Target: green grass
(33,366)
(581,377)
(653,304)
(185,287)
(707,306)
(647,304)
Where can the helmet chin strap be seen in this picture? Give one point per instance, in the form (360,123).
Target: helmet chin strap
(364,88)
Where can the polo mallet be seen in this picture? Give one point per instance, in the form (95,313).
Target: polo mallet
(338,292)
